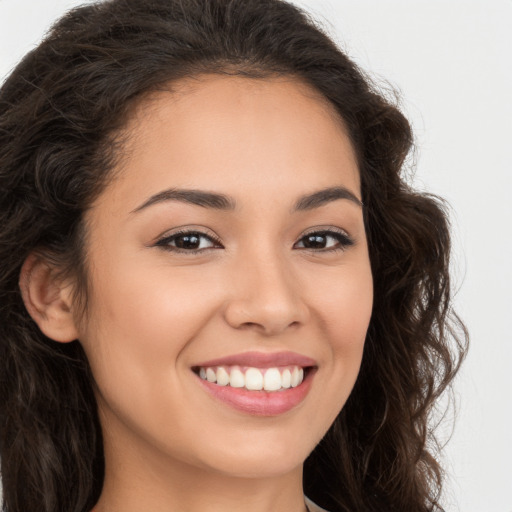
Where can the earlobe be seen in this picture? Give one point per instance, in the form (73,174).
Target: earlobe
(48,299)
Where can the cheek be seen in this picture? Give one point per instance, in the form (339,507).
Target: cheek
(343,313)
(140,319)
(344,300)
(140,323)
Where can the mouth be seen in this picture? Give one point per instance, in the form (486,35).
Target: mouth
(252,378)
(258,384)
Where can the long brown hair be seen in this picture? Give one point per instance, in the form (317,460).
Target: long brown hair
(61,112)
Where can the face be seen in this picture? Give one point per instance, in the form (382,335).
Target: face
(229,253)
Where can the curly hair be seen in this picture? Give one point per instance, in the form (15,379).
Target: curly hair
(61,112)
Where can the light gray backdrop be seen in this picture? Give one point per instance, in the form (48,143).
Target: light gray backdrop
(452,61)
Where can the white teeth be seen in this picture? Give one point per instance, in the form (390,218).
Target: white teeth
(286,379)
(272,380)
(222,376)
(210,375)
(254,379)
(295,377)
(236,378)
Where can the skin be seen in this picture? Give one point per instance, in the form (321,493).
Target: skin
(153,313)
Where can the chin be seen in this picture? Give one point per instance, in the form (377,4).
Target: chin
(264,458)
(260,468)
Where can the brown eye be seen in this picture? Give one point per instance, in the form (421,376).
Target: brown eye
(188,241)
(325,240)
(192,241)
(316,241)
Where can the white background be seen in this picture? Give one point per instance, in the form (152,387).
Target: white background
(452,62)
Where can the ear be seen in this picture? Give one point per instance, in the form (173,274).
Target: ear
(48,299)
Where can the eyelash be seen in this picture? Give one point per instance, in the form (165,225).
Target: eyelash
(164,242)
(344,241)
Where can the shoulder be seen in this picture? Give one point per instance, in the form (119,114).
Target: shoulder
(313,507)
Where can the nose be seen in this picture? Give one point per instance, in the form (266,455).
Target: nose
(265,296)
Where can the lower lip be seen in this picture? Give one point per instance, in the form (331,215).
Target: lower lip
(261,403)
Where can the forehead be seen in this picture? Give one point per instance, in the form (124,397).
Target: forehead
(211,92)
(237,133)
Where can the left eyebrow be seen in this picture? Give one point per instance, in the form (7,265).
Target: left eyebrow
(324,196)
(196,197)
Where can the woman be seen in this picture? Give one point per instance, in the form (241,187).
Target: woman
(217,290)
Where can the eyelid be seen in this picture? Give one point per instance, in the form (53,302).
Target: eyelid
(163,239)
(346,242)
(187,228)
(325,229)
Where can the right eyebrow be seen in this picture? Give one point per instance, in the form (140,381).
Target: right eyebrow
(197,197)
(324,196)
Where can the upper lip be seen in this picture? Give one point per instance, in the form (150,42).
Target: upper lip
(261,360)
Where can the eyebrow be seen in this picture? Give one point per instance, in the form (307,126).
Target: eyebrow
(223,202)
(197,197)
(324,196)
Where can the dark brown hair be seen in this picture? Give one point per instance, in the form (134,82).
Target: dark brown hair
(61,112)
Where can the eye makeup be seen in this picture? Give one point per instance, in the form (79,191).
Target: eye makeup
(193,241)
(316,239)
(189,241)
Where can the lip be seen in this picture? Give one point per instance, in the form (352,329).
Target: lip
(260,403)
(261,360)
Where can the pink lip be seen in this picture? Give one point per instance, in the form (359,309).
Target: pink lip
(261,360)
(261,403)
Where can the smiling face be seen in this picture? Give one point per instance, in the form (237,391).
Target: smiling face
(229,253)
